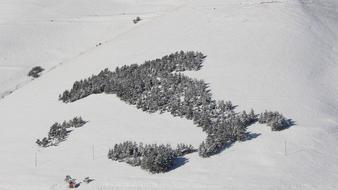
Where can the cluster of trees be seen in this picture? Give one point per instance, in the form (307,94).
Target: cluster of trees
(35,71)
(133,82)
(158,85)
(151,157)
(275,120)
(58,132)
(224,130)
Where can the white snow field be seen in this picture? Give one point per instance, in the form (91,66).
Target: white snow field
(48,32)
(276,55)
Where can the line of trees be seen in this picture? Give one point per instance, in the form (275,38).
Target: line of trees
(58,132)
(151,157)
(159,85)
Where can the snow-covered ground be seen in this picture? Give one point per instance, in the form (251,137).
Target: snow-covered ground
(275,55)
(49,33)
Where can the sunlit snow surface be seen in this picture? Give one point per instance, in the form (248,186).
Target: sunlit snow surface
(275,55)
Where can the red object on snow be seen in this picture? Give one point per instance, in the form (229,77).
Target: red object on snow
(72,184)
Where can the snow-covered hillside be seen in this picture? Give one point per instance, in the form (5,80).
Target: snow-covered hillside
(275,55)
(49,33)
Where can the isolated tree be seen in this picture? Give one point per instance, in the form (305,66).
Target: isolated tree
(35,72)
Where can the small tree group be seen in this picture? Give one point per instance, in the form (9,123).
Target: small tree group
(59,132)
(151,157)
(275,120)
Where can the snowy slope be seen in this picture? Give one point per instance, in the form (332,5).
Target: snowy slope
(48,33)
(276,55)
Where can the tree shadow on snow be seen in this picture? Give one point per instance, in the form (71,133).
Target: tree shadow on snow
(291,123)
(180,161)
(252,136)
